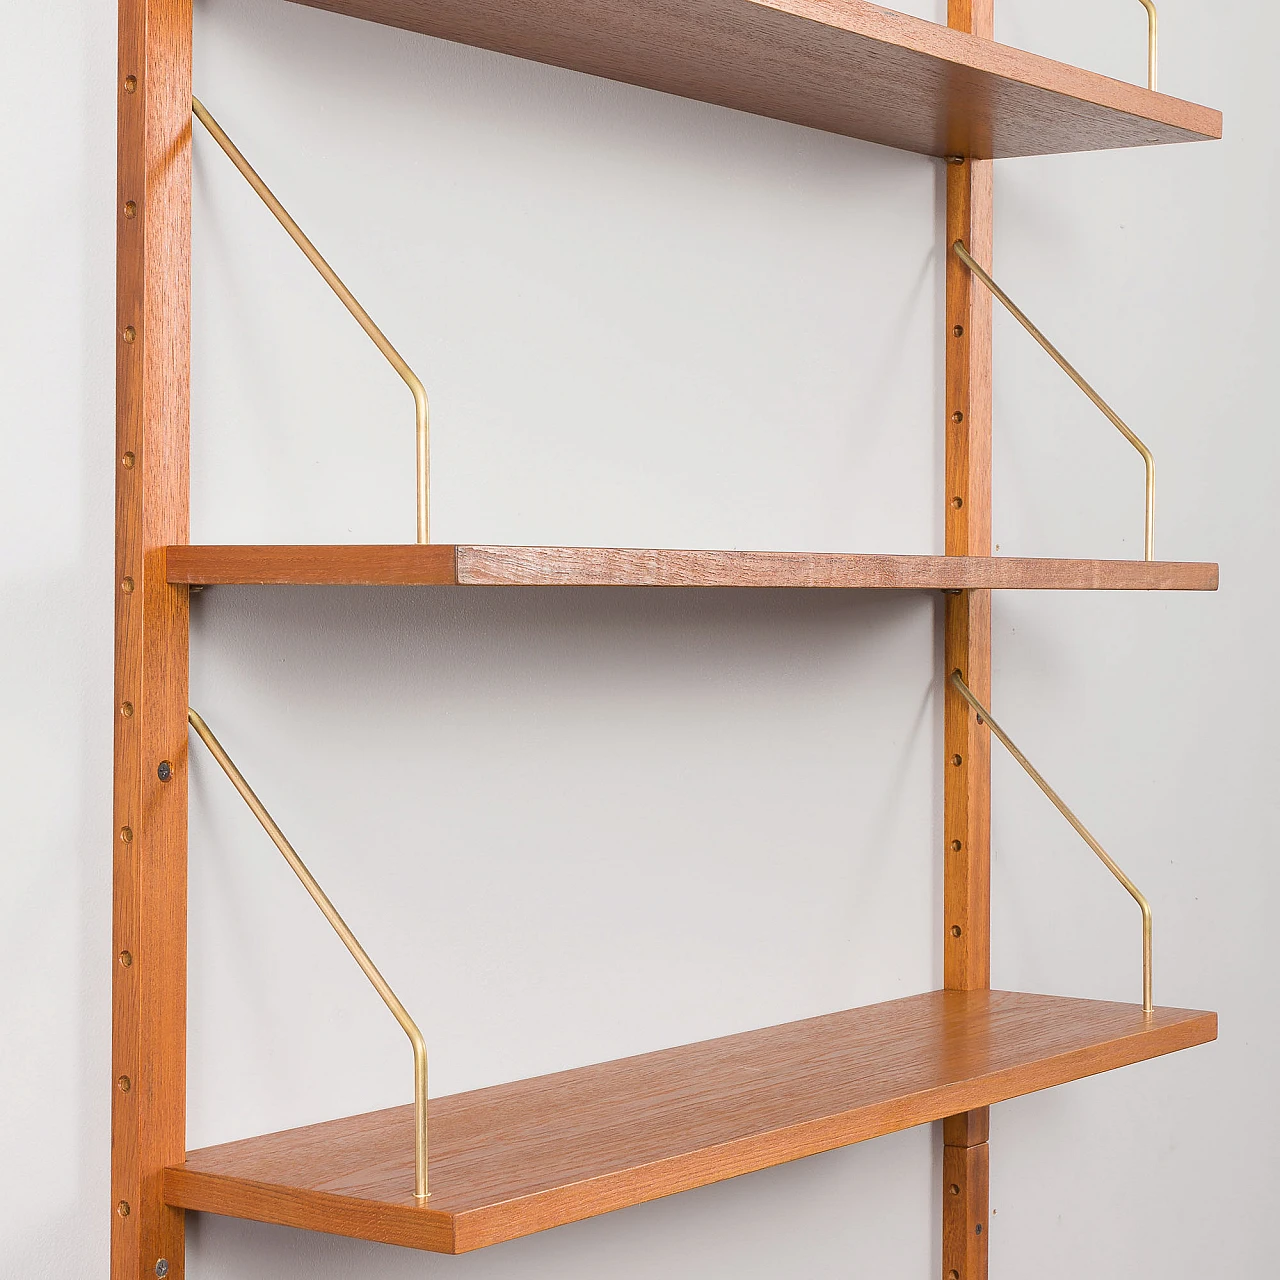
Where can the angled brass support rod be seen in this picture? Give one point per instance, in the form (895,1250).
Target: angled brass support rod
(1153,42)
(1020,316)
(394,358)
(349,939)
(984,717)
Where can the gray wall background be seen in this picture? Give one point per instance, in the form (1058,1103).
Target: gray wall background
(575,825)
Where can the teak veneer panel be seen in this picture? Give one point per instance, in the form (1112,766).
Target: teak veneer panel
(372,565)
(518,1158)
(621,567)
(845,66)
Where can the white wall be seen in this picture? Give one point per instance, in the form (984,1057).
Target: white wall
(574,825)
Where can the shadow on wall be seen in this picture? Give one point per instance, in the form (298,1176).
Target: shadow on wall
(641,321)
(568,824)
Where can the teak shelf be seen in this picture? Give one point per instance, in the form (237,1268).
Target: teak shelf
(519,1158)
(443,564)
(844,66)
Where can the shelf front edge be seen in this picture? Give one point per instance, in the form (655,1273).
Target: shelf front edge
(467,565)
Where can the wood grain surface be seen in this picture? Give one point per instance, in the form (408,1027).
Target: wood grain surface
(845,66)
(966,760)
(966,763)
(148,837)
(518,1158)
(374,565)
(966,1216)
(623,567)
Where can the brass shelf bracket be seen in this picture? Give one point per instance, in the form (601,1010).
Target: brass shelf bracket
(1061,361)
(1153,42)
(984,717)
(349,940)
(348,300)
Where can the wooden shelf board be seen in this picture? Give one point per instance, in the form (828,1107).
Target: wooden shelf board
(846,66)
(518,1158)
(451,565)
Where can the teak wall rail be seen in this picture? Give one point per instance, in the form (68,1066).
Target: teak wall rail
(966,764)
(947,92)
(150,837)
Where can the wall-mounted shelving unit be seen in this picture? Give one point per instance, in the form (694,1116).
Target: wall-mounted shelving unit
(522,1157)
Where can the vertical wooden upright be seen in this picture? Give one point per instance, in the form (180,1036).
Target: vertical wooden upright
(149,836)
(967,648)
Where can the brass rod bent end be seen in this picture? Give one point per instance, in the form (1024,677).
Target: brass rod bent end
(1153,42)
(350,941)
(1070,370)
(984,717)
(348,300)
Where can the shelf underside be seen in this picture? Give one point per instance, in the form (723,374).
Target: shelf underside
(450,565)
(518,1158)
(845,66)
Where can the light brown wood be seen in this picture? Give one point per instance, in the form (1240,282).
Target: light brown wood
(845,66)
(611,566)
(967,643)
(967,1129)
(519,1158)
(148,836)
(374,565)
(966,1215)
(967,648)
